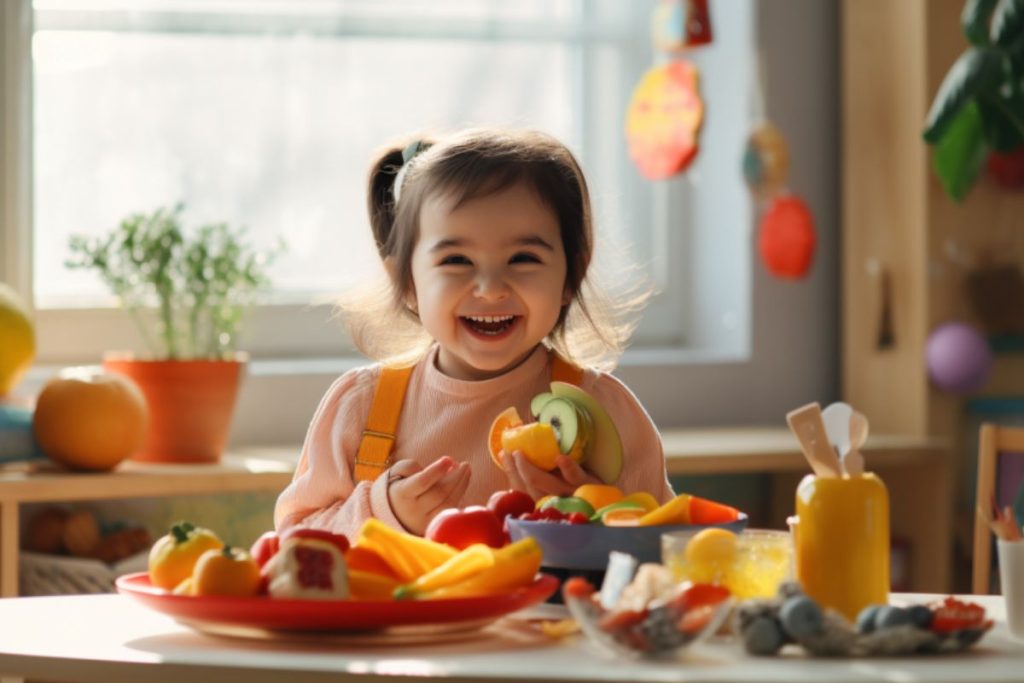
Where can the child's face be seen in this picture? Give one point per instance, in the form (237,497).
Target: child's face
(489,279)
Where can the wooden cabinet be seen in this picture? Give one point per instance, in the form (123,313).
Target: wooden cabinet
(898,224)
(906,247)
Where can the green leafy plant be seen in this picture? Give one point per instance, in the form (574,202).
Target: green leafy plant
(199,284)
(979,108)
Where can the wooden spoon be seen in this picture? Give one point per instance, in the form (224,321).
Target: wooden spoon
(806,423)
(853,460)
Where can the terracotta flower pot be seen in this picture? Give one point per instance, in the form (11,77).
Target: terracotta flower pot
(190,405)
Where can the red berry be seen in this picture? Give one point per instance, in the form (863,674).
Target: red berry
(578,518)
(578,587)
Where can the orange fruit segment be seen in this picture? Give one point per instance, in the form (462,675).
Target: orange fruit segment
(622,517)
(536,440)
(506,419)
(599,495)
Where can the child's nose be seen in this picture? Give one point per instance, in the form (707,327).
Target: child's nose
(491,286)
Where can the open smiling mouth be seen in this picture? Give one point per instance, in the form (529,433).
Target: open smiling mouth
(489,325)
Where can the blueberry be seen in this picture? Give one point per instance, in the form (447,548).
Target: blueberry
(763,636)
(920,616)
(866,619)
(888,616)
(801,617)
(659,629)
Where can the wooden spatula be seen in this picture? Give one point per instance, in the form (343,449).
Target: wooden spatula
(806,423)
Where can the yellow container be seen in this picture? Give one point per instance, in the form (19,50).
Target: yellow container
(842,541)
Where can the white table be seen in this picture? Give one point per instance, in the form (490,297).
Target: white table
(109,638)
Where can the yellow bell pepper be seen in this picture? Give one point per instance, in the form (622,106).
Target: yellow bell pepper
(173,557)
(515,565)
(408,556)
(471,560)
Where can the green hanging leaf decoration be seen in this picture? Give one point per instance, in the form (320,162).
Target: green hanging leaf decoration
(961,153)
(974,20)
(972,69)
(1007,22)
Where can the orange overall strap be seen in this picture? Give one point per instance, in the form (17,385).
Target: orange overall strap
(564,371)
(374,454)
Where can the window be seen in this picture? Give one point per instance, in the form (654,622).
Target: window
(265,113)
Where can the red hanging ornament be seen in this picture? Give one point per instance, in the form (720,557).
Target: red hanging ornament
(787,238)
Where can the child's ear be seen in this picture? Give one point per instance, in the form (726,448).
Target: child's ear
(566,297)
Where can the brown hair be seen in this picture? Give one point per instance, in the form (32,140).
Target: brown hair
(466,166)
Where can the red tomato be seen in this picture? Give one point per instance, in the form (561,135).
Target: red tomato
(700,595)
(955,615)
(461,528)
(265,547)
(339,540)
(511,502)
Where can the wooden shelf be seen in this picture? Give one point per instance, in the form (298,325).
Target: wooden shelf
(250,470)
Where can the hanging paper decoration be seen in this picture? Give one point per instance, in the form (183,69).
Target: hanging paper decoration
(766,161)
(664,119)
(677,25)
(787,238)
(958,358)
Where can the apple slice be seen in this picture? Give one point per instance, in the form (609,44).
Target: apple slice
(603,452)
(538,402)
(562,414)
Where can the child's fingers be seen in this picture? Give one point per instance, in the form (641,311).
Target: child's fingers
(448,491)
(515,481)
(537,481)
(573,474)
(427,478)
(403,468)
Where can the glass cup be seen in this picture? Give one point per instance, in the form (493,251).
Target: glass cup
(1011,580)
(763,559)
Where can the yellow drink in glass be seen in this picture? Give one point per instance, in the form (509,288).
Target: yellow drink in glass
(753,567)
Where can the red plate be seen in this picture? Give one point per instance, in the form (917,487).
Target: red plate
(280,614)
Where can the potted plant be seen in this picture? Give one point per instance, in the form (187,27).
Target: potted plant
(186,293)
(978,112)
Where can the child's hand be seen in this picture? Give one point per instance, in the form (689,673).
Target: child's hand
(525,476)
(418,493)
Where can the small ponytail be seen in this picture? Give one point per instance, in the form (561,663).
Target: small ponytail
(380,200)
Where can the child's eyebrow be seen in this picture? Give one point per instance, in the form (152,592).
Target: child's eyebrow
(529,241)
(448,243)
(534,241)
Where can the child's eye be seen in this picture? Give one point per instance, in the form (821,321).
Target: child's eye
(454,260)
(524,257)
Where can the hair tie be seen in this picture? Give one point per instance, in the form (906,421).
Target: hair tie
(410,151)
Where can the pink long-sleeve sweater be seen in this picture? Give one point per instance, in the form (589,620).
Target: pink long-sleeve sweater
(444,416)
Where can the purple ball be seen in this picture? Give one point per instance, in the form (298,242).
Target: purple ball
(958,358)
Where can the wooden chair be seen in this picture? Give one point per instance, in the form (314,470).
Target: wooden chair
(994,441)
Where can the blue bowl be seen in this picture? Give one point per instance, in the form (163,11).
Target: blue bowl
(586,546)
